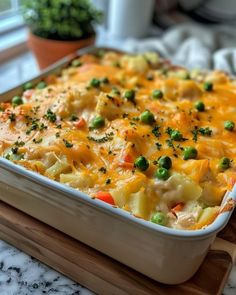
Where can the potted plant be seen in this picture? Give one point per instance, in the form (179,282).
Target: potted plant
(59,27)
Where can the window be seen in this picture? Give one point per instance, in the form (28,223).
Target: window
(13,32)
(10,17)
(9,7)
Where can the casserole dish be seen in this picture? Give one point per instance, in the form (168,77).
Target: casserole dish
(154,250)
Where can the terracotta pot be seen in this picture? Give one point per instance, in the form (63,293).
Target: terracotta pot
(48,51)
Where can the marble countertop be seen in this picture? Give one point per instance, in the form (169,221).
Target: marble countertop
(21,274)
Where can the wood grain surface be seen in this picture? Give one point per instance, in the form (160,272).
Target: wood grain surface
(98,272)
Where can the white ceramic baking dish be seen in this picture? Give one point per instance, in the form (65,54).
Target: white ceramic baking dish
(164,254)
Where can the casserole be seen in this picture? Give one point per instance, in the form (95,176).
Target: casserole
(108,229)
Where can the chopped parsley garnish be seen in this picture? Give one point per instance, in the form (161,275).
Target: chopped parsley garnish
(195,134)
(73,117)
(12,117)
(169,130)
(35,109)
(115,91)
(51,116)
(107,137)
(19,143)
(42,126)
(205,131)
(67,143)
(7,156)
(57,134)
(14,150)
(34,126)
(170,143)
(110,97)
(156,131)
(103,170)
(180,147)
(116,64)
(158,145)
(58,126)
(108,181)
(37,140)
(105,80)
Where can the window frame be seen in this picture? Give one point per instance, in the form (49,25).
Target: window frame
(15,7)
(13,33)
(11,19)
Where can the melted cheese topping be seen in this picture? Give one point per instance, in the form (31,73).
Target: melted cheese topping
(51,133)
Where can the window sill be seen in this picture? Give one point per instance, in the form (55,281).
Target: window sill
(11,23)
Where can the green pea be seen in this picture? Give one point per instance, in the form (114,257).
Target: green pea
(95,83)
(176,135)
(162,173)
(200,106)
(229,125)
(224,163)
(190,153)
(159,218)
(76,63)
(129,95)
(41,85)
(141,163)
(97,122)
(147,117)
(28,86)
(208,86)
(165,162)
(16,100)
(157,93)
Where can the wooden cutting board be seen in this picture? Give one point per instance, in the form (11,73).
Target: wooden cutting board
(102,274)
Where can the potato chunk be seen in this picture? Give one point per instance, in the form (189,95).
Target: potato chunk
(138,204)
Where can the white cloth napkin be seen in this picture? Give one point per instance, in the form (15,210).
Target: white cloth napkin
(193,46)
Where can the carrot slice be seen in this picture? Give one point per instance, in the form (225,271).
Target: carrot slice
(126,162)
(80,123)
(128,158)
(28,93)
(177,208)
(105,197)
(126,165)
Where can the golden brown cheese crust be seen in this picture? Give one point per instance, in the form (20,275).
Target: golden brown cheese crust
(51,133)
